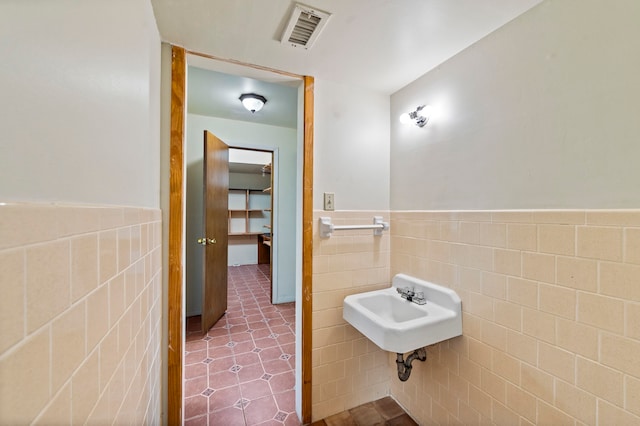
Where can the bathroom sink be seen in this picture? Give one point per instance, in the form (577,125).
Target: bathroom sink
(398,325)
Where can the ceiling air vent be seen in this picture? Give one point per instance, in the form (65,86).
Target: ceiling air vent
(304,27)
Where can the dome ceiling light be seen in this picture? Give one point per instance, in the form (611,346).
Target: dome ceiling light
(252,102)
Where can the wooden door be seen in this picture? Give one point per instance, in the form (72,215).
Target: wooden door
(215,215)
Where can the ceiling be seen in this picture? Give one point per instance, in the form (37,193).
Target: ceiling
(381,45)
(216,94)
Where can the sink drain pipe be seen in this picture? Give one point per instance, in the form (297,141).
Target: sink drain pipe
(404,366)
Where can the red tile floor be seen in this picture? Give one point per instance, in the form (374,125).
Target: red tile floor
(242,371)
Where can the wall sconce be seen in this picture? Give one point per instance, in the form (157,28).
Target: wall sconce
(252,102)
(420,116)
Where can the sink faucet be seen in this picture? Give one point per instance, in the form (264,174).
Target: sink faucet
(411,295)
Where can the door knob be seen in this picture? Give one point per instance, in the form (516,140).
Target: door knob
(206,241)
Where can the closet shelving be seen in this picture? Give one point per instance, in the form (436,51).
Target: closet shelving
(249,212)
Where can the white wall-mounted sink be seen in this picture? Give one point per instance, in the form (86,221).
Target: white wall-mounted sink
(401,326)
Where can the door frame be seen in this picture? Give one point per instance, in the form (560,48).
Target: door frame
(176,235)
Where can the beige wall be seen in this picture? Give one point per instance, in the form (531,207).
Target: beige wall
(348,369)
(84,110)
(351,146)
(551,314)
(542,113)
(80,314)
(80,311)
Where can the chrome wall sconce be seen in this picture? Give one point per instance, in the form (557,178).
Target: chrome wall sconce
(252,102)
(420,116)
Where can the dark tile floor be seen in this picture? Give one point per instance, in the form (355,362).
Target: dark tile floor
(242,372)
(384,411)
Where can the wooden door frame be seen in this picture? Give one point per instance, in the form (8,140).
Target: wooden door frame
(175,261)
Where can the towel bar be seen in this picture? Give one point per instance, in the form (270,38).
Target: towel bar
(326,227)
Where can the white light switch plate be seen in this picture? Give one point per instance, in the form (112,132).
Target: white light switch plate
(329,201)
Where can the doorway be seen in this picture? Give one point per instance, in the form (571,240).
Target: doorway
(176,240)
(252,189)
(243,365)
(252,197)
(243,361)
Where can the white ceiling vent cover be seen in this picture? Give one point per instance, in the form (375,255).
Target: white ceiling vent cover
(304,27)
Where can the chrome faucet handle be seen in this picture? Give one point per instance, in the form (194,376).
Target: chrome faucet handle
(419,298)
(411,295)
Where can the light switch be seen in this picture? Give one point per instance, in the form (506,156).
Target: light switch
(329,201)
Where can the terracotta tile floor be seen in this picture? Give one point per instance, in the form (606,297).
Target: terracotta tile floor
(242,371)
(384,411)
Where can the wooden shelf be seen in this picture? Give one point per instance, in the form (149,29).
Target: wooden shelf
(264,249)
(249,211)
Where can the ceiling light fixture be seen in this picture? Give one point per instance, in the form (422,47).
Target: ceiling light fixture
(252,102)
(420,116)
